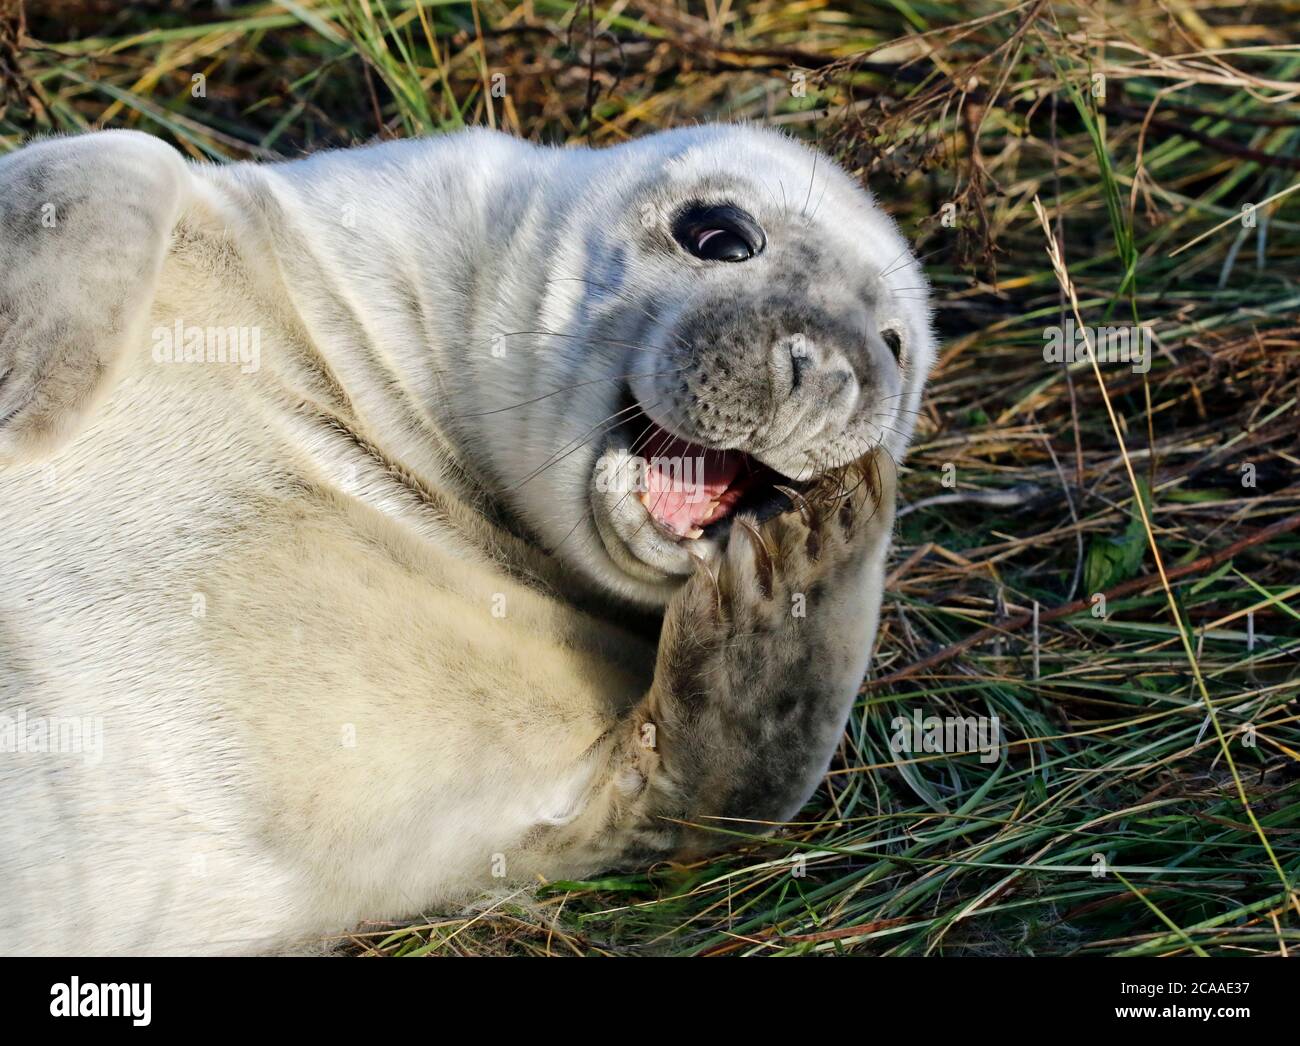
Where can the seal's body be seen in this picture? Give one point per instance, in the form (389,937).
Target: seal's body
(334,584)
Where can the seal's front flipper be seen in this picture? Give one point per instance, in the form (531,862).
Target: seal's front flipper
(760,659)
(84,227)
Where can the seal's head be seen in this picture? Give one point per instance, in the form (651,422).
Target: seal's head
(743,316)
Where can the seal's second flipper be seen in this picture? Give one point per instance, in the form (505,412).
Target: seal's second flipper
(84,227)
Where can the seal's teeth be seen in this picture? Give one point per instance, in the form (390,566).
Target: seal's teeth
(693,533)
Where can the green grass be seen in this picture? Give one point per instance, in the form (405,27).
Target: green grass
(1122,816)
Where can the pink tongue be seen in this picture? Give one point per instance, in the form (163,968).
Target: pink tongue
(684,482)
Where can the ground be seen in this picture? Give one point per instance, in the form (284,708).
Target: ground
(1125,165)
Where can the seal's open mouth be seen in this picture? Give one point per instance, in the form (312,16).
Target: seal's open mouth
(661,502)
(690,491)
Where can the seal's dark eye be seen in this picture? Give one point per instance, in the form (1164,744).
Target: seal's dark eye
(718,233)
(721,245)
(894,341)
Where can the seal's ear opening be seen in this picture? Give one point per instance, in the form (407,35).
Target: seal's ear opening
(718,233)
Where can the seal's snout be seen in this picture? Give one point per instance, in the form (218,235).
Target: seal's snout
(814,386)
(795,379)
(803,368)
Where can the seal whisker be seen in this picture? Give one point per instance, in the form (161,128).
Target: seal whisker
(621,295)
(575,444)
(570,388)
(644,437)
(667,438)
(813,217)
(812,178)
(768,189)
(595,342)
(890,267)
(890,428)
(904,264)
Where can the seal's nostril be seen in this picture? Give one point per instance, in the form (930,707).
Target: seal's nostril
(800,364)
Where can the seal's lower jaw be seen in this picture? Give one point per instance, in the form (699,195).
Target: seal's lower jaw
(660,502)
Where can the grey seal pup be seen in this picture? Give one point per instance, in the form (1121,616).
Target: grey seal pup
(386,526)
